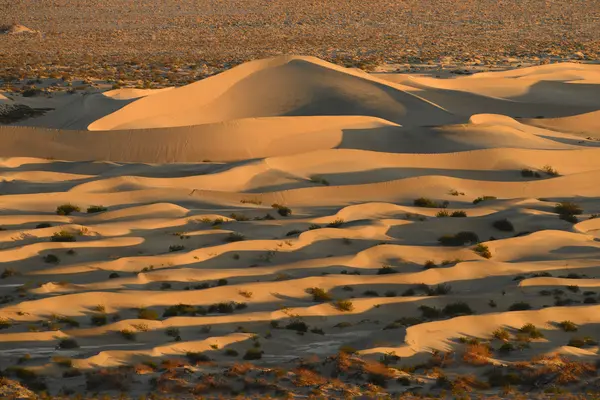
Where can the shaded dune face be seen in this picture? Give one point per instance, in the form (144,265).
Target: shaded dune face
(289,208)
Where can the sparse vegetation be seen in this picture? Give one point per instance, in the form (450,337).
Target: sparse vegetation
(96,209)
(484,198)
(67,209)
(343,305)
(550,170)
(459,239)
(428,203)
(319,295)
(282,210)
(483,250)
(63,236)
(176,247)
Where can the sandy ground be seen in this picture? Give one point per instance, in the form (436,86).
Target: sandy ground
(187,178)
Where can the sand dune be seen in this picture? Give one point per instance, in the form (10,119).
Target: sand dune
(180,184)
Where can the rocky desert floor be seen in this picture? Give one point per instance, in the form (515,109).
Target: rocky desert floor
(294,228)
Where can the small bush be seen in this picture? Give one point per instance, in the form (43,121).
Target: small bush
(113,275)
(483,250)
(8,272)
(568,208)
(5,323)
(96,209)
(51,259)
(550,171)
(459,239)
(253,354)
(293,232)
(430,312)
(532,331)
(501,334)
(231,353)
(128,334)
(386,269)
(519,306)
(442,214)
(343,305)
(458,308)
(222,282)
(568,326)
(234,237)
(43,225)
(144,313)
(67,209)
(503,225)
(458,214)
(428,203)
(68,344)
(297,325)
(484,198)
(98,319)
(528,173)
(282,210)
(172,332)
(507,347)
(336,223)
(176,247)
(63,236)
(319,295)
(430,264)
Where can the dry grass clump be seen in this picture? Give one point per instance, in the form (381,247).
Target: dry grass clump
(477,354)
(319,295)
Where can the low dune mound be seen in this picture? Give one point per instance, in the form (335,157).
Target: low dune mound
(16,29)
(281,86)
(587,125)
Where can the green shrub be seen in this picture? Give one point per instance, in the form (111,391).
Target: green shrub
(63,236)
(458,308)
(483,250)
(503,225)
(343,305)
(442,214)
(568,208)
(68,344)
(128,334)
(96,209)
(506,347)
(235,237)
(144,313)
(296,325)
(428,203)
(386,269)
(532,331)
(282,210)
(519,306)
(484,198)
(176,247)
(568,326)
(459,239)
(67,209)
(458,214)
(319,295)
(253,354)
(98,319)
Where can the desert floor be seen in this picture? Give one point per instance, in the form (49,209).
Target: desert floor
(291,227)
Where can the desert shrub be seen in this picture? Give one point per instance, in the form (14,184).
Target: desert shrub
(319,179)
(239,217)
(8,272)
(68,344)
(319,295)
(231,353)
(528,173)
(582,342)
(428,203)
(442,214)
(568,208)
(590,300)
(63,361)
(165,286)
(532,331)
(51,259)
(519,306)
(63,236)
(430,264)
(501,334)
(144,313)
(503,225)
(282,210)
(172,332)
(386,269)
(128,334)
(67,209)
(293,232)
(253,354)
(336,223)
(96,209)
(245,293)
(458,214)
(235,237)
(43,225)
(458,308)
(371,293)
(568,326)
(176,247)
(483,250)
(550,171)
(313,227)
(222,282)
(343,305)
(181,309)
(430,312)
(506,347)
(98,319)
(5,323)
(459,239)
(113,275)
(484,198)
(297,325)
(477,354)
(569,218)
